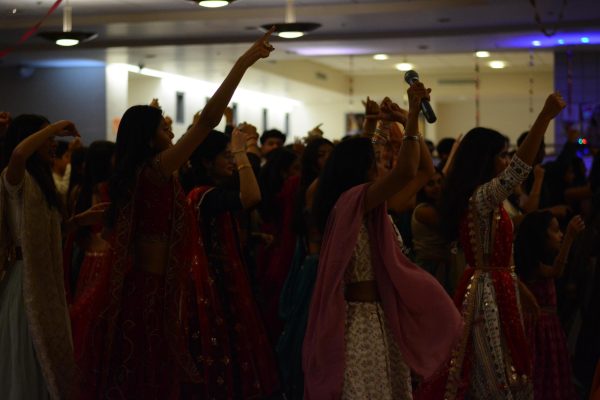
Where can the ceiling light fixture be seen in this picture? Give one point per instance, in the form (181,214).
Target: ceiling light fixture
(68,37)
(404,66)
(482,54)
(497,64)
(381,57)
(290,29)
(213,3)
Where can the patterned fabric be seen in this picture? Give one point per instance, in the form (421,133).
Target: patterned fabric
(416,307)
(374,368)
(492,361)
(43,286)
(170,308)
(252,358)
(552,367)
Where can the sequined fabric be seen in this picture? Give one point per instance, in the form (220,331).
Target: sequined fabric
(375,368)
(492,360)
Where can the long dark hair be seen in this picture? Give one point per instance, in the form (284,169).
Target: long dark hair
(422,196)
(472,166)
(271,179)
(20,128)
(531,244)
(98,169)
(348,165)
(134,148)
(309,171)
(196,174)
(77,172)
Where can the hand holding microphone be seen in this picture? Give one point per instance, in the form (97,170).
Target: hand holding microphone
(412,77)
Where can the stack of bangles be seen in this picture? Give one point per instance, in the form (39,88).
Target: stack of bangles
(241,167)
(412,137)
(380,137)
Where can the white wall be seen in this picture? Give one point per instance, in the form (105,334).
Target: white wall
(504,102)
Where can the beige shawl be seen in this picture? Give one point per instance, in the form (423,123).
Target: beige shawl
(43,286)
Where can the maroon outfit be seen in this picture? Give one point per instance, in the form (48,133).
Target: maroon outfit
(552,367)
(274,261)
(252,361)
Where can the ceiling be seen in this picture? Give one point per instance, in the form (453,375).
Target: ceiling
(179,36)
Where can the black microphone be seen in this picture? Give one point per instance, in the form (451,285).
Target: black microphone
(411,77)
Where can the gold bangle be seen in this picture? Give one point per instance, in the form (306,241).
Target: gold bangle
(241,167)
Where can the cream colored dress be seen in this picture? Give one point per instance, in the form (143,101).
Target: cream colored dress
(20,372)
(375,368)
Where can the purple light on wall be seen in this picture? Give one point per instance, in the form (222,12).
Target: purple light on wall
(541,41)
(332,51)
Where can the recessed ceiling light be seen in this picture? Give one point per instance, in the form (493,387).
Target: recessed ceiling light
(585,40)
(497,64)
(536,43)
(482,54)
(213,3)
(561,41)
(14,10)
(290,34)
(381,57)
(291,30)
(71,38)
(68,37)
(404,66)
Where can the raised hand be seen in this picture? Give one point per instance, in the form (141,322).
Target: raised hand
(64,128)
(260,49)
(391,111)
(371,108)
(416,93)
(553,106)
(575,226)
(238,141)
(228,114)
(154,103)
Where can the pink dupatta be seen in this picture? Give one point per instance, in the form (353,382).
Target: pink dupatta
(423,319)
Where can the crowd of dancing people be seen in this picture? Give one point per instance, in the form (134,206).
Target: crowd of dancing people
(228,265)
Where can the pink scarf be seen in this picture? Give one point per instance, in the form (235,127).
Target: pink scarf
(423,319)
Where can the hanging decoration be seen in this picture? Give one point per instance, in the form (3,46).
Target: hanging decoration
(538,19)
(477,88)
(531,83)
(569,84)
(351,80)
(31,31)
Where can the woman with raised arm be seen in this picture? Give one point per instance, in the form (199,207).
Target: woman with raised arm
(36,349)
(374,315)
(541,255)
(146,352)
(492,360)
(217,206)
(296,292)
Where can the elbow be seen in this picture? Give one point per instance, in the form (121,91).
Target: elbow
(250,201)
(17,157)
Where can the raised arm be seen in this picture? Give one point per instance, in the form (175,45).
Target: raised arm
(249,189)
(529,148)
(575,226)
(172,158)
(18,159)
(405,198)
(408,157)
(489,195)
